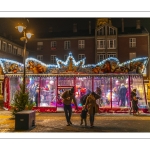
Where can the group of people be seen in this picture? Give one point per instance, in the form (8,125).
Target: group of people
(89,105)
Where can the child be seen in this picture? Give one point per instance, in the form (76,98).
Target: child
(83,115)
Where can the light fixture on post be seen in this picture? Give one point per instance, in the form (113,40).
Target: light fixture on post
(26,36)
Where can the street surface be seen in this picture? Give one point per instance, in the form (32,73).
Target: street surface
(104,122)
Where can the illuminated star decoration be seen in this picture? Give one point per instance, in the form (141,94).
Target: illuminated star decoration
(70,59)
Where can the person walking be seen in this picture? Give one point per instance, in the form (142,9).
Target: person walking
(92,107)
(68,96)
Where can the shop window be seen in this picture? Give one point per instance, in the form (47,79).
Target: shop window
(40,57)
(67,45)
(100,44)
(81,56)
(81,44)
(132,42)
(39,46)
(53,45)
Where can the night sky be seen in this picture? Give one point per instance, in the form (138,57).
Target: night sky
(36,25)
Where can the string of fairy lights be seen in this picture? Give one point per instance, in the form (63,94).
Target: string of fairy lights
(60,63)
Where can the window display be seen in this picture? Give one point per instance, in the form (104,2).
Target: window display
(109,79)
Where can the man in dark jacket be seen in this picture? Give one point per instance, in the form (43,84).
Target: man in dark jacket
(68,96)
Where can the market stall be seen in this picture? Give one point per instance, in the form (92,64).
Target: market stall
(46,83)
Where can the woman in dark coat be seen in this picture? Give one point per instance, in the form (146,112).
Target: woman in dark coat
(92,106)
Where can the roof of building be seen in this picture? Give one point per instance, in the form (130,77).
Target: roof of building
(132,30)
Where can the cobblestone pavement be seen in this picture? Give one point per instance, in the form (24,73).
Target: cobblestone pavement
(55,122)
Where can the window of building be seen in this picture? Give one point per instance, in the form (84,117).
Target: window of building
(65,57)
(0,44)
(4,46)
(67,45)
(81,56)
(101,56)
(9,48)
(53,45)
(100,44)
(132,55)
(132,42)
(40,57)
(39,46)
(111,31)
(19,52)
(100,31)
(81,44)
(14,51)
(111,55)
(111,44)
(53,59)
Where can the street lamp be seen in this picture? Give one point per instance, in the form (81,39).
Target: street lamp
(26,36)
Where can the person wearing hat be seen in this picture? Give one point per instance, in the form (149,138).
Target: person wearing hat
(68,96)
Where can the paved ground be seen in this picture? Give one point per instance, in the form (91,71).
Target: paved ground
(55,122)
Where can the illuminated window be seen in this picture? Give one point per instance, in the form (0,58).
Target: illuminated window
(40,57)
(81,56)
(111,44)
(100,44)
(67,45)
(81,44)
(9,48)
(39,46)
(101,56)
(53,59)
(4,46)
(132,55)
(132,42)
(53,45)
(111,55)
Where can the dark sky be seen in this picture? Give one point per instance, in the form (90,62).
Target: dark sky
(7,25)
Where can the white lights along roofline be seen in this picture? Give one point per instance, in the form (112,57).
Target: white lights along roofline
(9,61)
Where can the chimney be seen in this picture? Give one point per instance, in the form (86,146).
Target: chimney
(74,27)
(89,27)
(122,25)
(138,24)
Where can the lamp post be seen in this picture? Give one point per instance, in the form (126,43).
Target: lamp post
(26,36)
